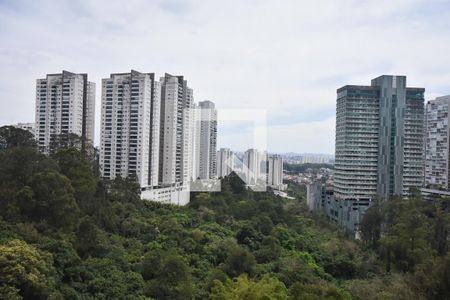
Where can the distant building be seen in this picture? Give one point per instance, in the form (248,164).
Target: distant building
(225,162)
(129,145)
(255,167)
(320,198)
(275,171)
(314,158)
(65,103)
(30,127)
(204,141)
(146,133)
(177,194)
(437,143)
(379,143)
(433,194)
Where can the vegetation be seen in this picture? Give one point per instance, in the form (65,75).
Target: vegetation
(66,234)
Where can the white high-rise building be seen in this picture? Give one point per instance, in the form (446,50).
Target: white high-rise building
(225,162)
(437,143)
(204,141)
(65,103)
(130,136)
(275,171)
(255,167)
(176,133)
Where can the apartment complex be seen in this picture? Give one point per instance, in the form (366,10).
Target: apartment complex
(379,139)
(65,104)
(225,162)
(177,101)
(379,143)
(146,133)
(129,145)
(437,143)
(204,141)
(275,171)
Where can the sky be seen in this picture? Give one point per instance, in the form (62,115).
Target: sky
(285,57)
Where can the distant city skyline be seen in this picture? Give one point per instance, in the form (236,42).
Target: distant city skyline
(287,61)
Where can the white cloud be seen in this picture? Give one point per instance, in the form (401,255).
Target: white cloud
(288,57)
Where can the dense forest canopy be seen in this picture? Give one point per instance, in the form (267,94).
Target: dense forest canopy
(67,234)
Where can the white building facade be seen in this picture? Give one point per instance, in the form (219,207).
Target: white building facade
(255,167)
(437,143)
(225,162)
(175,135)
(275,171)
(129,145)
(65,104)
(204,143)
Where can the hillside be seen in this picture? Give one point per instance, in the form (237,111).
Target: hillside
(66,234)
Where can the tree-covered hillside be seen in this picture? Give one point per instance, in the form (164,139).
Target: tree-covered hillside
(66,234)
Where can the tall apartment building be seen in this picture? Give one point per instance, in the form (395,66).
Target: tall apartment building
(255,167)
(437,143)
(275,171)
(225,162)
(379,142)
(65,103)
(177,102)
(130,127)
(204,141)
(379,139)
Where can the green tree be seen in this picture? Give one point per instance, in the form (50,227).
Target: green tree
(89,240)
(371,224)
(239,260)
(54,200)
(406,237)
(235,183)
(246,289)
(11,137)
(80,172)
(269,251)
(433,278)
(65,141)
(25,272)
(169,276)
(249,236)
(299,291)
(390,287)
(17,166)
(441,227)
(124,190)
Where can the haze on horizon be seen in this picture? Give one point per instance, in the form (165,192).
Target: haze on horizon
(287,58)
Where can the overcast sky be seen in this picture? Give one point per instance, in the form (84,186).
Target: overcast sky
(287,57)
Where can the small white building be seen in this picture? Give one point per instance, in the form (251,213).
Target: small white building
(177,194)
